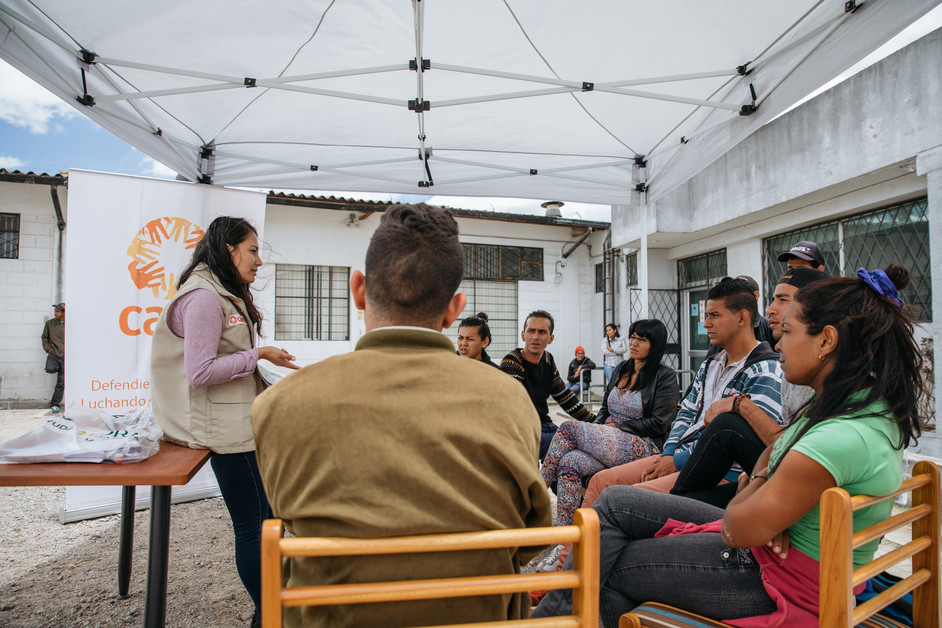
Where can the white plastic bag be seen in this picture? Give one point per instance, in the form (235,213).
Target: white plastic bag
(85,435)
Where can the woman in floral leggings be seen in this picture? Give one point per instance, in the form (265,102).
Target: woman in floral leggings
(639,405)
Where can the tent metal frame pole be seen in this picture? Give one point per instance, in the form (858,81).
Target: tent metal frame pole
(289,164)
(65,79)
(671,78)
(225,78)
(639,173)
(794,66)
(573,90)
(418,12)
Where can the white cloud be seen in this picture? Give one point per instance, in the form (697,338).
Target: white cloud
(153,168)
(26,104)
(11,163)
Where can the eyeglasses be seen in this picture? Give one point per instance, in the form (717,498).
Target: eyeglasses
(635,338)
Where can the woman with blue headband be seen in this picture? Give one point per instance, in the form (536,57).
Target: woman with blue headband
(756,564)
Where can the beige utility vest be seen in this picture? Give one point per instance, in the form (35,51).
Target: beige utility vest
(213,417)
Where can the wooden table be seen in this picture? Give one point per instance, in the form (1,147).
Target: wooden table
(171,466)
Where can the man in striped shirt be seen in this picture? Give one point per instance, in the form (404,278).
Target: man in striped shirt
(743,367)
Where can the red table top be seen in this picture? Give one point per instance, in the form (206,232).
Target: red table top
(171,466)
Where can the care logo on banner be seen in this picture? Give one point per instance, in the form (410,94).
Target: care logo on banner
(154,252)
(128,240)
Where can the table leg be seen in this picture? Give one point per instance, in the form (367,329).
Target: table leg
(126,542)
(155,610)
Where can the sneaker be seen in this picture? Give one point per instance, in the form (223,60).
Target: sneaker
(55,409)
(548,562)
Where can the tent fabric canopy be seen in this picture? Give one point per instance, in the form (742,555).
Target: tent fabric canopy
(516,98)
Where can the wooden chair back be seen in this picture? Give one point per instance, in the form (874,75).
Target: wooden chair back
(837,606)
(583,579)
(838,541)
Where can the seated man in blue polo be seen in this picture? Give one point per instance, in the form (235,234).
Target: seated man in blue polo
(534,367)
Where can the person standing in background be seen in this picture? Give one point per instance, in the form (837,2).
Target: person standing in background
(54,345)
(613,350)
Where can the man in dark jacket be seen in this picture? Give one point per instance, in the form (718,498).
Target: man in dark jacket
(54,345)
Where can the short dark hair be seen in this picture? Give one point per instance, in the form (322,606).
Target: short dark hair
(540,314)
(414,262)
(737,295)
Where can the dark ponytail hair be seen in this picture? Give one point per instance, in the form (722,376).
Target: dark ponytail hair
(479,320)
(213,250)
(656,333)
(875,350)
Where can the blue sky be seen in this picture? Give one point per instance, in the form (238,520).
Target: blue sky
(41,133)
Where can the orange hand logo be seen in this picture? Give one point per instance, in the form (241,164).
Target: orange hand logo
(146,250)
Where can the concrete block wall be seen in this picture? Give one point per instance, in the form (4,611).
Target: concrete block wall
(29,285)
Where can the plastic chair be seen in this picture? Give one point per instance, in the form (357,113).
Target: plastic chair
(838,576)
(583,579)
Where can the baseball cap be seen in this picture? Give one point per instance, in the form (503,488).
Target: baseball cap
(59,306)
(801,277)
(804,250)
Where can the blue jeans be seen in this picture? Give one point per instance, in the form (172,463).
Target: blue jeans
(608,369)
(696,572)
(575,387)
(242,490)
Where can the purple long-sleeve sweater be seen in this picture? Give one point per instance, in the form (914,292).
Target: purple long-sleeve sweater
(197,317)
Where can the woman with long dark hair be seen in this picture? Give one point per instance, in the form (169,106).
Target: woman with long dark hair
(639,405)
(204,376)
(756,564)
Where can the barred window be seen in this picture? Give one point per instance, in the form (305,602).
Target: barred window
(502,263)
(896,234)
(631,269)
(9,236)
(312,302)
(497,299)
(599,278)
(701,270)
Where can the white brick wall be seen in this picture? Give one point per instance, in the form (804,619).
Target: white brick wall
(28,287)
(292,235)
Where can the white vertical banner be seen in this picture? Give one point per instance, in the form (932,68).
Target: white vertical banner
(128,240)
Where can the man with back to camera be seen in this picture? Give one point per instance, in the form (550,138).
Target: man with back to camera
(402,436)
(534,367)
(740,437)
(53,338)
(804,254)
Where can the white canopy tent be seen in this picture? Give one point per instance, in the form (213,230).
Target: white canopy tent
(575,101)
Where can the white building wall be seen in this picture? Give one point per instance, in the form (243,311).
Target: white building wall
(291,235)
(29,286)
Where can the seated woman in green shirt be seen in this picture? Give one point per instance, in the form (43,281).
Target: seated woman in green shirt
(756,564)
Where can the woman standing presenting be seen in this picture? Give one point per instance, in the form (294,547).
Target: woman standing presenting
(204,378)
(613,350)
